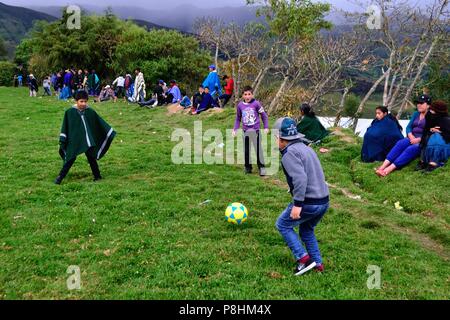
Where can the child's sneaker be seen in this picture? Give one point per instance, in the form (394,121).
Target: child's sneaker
(319,268)
(304,265)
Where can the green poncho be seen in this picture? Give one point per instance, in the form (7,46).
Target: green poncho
(82,130)
(312,129)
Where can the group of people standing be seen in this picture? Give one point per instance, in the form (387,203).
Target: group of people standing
(428,138)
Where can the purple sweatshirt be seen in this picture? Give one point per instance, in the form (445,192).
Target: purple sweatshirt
(249,114)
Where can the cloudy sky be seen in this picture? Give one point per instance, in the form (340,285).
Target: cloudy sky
(342,4)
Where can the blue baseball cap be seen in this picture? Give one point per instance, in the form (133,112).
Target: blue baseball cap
(212,67)
(287,128)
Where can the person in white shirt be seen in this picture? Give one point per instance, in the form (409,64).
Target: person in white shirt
(119,84)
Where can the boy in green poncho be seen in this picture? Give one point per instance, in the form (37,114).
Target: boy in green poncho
(83,131)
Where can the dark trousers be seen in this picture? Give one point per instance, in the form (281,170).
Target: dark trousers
(169,99)
(120,92)
(92,162)
(226,98)
(254,138)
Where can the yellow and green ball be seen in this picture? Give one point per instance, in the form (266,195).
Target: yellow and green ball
(236,213)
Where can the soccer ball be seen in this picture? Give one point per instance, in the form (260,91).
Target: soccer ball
(236,213)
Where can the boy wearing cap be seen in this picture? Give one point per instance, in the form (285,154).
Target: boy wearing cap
(310,197)
(83,131)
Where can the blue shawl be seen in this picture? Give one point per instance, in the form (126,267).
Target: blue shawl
(380,138)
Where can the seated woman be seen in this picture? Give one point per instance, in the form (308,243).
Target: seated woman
(436,139)
(408,149)
(107,94)
(381,136)
(310,126)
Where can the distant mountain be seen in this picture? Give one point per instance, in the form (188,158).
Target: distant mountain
(15,22)
(181,17)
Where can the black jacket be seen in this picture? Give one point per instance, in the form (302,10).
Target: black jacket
(436,120)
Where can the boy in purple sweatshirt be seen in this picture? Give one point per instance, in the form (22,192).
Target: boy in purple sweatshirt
(249,112)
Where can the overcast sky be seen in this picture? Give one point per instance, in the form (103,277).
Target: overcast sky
(342,4)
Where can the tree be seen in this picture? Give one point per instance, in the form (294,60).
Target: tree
(111,47)
(295,23)
(409,36)
(3,51)
(162,54)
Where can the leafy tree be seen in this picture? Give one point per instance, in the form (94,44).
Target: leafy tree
(162,54)
(3,51)
(112,46)
(7,71)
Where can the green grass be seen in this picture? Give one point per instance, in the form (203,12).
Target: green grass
(141,233)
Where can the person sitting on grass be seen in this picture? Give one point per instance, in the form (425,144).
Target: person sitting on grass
(197,98)
(107,94)
(173,95)
(436,139)
(408,149)
(206,103)
(157,97)
(185,102)
(229,88)
(310,125)
(83,131)
(381,136)
(310,197)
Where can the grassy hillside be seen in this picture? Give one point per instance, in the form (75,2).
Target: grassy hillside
(15,22)
(142,232)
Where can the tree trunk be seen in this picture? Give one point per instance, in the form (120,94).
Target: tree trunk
(416,78)
(386,87)
(236,87)
(273,105)
(259,79)
(366,98)
(216,59)
(341,107)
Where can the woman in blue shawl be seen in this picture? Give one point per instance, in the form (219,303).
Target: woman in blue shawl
(213,82)
(381,136)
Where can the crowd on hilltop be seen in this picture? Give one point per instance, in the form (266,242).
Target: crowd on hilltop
(212,93)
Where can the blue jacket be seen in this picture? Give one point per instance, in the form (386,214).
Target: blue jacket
(176,94)
(379,139)
(409,128)
(304,175)
(212,81)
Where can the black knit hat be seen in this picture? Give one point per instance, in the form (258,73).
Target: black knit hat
(423,99)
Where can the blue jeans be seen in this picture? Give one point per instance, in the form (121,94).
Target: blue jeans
(309,219)
(403,153)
